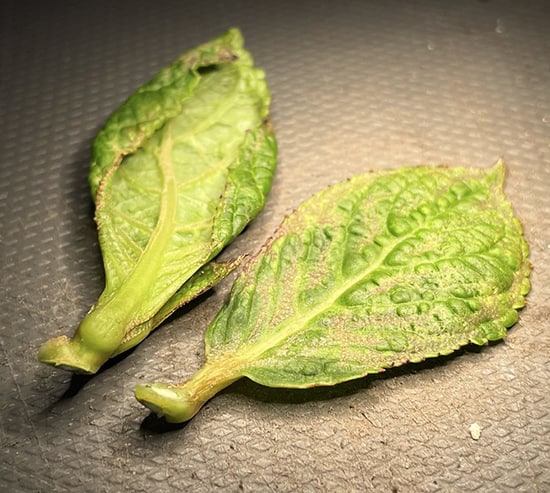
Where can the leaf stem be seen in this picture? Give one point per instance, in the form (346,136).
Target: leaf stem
(179,403)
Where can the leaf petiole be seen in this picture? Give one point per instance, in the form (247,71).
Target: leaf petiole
(179,403)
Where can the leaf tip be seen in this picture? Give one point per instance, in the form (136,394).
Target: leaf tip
(497,172)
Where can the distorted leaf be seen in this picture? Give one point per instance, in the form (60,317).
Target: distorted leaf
(177,172)
(387,268)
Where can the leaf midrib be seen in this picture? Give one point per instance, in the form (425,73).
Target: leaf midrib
(134,287)
(295,324)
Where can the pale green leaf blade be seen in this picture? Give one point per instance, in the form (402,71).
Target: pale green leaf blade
(169,201)
(384,269)
(204,279)
(160,99)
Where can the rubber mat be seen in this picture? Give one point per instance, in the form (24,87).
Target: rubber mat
(357,85)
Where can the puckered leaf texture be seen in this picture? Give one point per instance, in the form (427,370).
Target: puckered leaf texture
(177,172)
(389,267)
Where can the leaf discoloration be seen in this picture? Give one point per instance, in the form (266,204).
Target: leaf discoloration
(387,268)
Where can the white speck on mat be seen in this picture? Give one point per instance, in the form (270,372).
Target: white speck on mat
(475,431)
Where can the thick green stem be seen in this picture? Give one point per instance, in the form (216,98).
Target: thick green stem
(93,343)
(70,354)
(179,403)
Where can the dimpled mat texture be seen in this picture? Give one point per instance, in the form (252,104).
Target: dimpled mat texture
(357,85)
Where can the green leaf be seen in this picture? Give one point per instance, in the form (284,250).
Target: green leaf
(177,172)
(387,268)
(206,277)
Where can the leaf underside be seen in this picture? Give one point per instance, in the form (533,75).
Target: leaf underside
(387,268)
(177,172)
(203,280)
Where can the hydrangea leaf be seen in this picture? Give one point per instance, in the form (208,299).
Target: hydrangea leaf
(387,268)
(204,279)
(177,172)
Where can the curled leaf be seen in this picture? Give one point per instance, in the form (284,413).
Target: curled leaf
(177,172)
(387,268)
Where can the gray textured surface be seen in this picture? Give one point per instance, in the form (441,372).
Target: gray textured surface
(357,85)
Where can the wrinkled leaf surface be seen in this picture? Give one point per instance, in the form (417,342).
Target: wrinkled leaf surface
(177,172)
(387,268)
